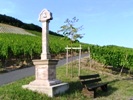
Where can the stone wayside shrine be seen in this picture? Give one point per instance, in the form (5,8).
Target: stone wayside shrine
(45,68)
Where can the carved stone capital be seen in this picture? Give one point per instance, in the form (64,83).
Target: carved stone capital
(45,16)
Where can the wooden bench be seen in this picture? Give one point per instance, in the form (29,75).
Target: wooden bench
(90,84)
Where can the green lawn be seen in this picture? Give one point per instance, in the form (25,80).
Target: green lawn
(117,89)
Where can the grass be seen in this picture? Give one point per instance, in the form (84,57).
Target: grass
(117,89)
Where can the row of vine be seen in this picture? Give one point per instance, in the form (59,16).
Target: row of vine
(17,46)
(14,45)
(115,56)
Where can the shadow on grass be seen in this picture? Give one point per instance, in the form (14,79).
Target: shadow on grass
(111,89)
(76,87)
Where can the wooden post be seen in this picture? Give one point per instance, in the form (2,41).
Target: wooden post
(70,48)
(67,61)
(79,60)
(89,56)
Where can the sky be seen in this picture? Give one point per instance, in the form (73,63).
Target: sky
(105,22)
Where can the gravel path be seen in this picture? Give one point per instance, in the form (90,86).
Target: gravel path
(11,76)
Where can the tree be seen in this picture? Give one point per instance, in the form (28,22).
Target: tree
(70,31)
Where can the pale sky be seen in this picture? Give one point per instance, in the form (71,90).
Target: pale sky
(105,22)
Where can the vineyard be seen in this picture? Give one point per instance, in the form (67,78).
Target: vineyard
(23,47)
(115,56)
(17,46)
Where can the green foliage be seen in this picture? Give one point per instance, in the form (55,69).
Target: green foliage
(58,44)
(25,46)
(40,34)
(70,30)
(113,55)
(15,45)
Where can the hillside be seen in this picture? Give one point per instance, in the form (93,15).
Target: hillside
(8,20)
(15,22)
(4,28)
(26,47)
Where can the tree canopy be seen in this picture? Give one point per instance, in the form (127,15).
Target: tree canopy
(70,30)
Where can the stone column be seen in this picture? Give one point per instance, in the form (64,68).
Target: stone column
(45,17)
(45,48)
(45,69)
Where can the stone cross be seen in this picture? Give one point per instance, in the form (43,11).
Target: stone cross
(45,17)
(45,69)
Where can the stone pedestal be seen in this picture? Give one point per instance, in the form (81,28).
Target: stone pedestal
(50,91)
(45,79)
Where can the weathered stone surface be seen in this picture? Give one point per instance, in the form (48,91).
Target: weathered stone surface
(45,17)
(51,91)
(45,72)
(45,69)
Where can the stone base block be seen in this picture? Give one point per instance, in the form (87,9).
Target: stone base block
(51,91)
(45,82)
